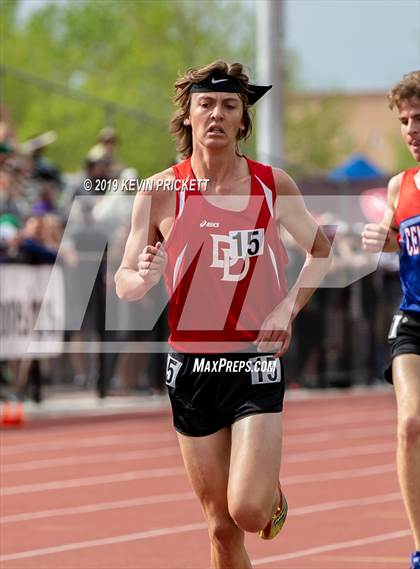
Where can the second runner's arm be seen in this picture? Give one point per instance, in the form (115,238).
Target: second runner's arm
(383,236)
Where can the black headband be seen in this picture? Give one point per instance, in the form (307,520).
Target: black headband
(228,84)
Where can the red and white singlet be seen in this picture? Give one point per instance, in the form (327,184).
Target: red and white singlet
(225,270)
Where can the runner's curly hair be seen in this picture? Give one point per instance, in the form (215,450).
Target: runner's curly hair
(408,87)
(183,133)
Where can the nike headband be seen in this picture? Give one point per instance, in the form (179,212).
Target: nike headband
(229,84)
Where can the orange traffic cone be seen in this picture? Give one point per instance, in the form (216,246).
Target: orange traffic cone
(6,414)
(19,413)
(9,418)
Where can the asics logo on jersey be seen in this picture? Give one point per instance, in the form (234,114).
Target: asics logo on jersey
(238,246)
(215,81)
(205,223)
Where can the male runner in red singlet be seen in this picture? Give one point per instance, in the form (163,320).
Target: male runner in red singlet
(223,263)
(400,231)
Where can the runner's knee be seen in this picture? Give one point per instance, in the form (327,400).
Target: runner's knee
(409,430)
(250,516)
(223,532)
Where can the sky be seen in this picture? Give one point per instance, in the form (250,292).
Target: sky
(353,45)
(350,45)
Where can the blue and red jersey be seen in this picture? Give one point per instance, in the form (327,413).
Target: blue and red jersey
(407,218)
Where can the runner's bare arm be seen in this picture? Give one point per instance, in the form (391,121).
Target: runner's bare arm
(383,236)
(144,259)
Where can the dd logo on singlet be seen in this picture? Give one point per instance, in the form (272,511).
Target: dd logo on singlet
(238,245)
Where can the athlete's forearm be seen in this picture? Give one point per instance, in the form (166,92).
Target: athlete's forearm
(129,285)
(391,244)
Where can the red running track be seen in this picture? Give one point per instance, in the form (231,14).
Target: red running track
(113,494)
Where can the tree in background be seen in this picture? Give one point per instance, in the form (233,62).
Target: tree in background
(316,140)
(66,60)
(125,52)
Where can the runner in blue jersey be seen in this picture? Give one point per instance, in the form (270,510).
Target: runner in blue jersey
(400,231)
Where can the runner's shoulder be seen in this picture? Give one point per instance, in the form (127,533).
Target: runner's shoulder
(394,186)
(155,183)
(158,179)
(285,185)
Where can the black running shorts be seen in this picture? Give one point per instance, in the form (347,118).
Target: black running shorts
(211,391)
(404,338)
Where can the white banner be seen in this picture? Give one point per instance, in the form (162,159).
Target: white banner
(22,292)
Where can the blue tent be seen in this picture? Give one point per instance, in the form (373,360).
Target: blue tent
(356,167)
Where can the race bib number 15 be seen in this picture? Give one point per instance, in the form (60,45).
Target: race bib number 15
(246,243)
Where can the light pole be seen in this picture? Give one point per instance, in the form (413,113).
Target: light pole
(270,70)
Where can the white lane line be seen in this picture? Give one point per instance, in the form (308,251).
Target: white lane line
(186,496)
(88,442)
(322,436)
(180,471)
(360,392)
(331,420)
(90,459)
(120,427)
(196,527)
(105,440)
(99,507)
(339,453)
(333,547)
(339,474)
(93,480)
(356,433)
(353,503)
(106,541)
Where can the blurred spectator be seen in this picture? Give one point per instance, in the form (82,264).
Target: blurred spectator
(32,248)
(97,167)
(7,134)
(36,243)
(98,164)
(12,188)
(87,244)
(34,149)
(107,137)
(116,206)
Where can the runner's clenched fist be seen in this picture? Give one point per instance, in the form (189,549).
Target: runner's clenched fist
(152,262)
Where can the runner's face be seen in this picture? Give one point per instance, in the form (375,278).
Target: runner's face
(216,118)
(409,115)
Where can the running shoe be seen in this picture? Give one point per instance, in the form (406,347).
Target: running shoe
(277,521)
(415,560)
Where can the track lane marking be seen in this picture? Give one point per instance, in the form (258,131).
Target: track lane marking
(198,527)
(91,459)
(167,498)
(333,547)
(93,480)
(322,436)
(98,507)
(180,471)
(340,452)
(105,541)
(88,442)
